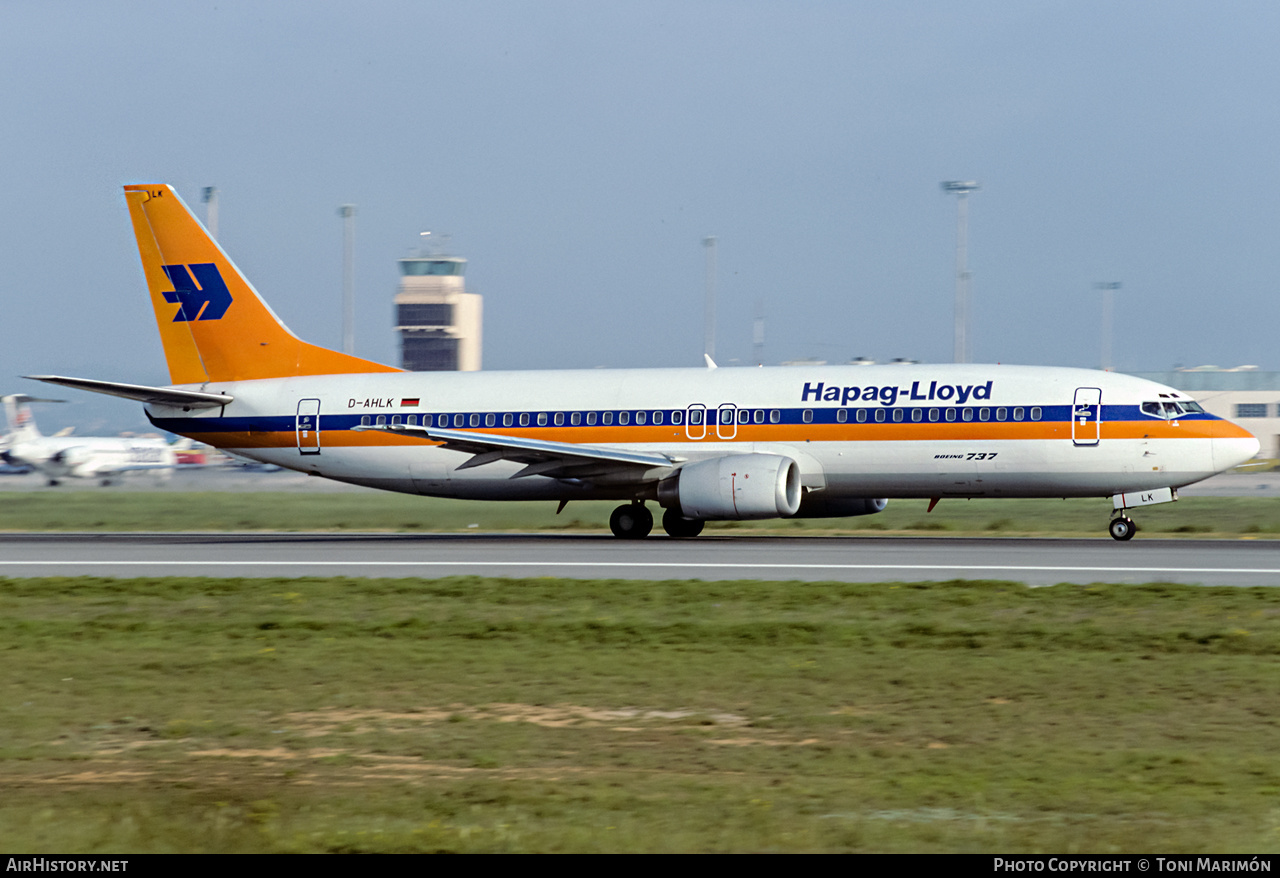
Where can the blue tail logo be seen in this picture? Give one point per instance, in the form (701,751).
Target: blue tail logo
(208,301)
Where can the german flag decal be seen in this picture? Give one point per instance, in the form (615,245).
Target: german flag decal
(409,402)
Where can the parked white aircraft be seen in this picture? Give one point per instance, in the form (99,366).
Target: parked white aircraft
(703,443)
(79,457)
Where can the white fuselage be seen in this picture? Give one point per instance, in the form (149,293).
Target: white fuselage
(855,431)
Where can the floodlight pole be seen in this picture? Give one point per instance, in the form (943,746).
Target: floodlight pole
(1107,288)
(709,327)
(209,195)
(348,214)
(962,188)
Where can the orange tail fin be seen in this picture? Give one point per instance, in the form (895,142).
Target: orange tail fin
(213,324)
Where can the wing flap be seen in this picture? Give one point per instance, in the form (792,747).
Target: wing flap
(540,456)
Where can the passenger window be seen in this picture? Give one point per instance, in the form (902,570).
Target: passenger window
(657,418)
(1001,414)
(984,414)
(897,415)
(1017,414)
(861,416)
(726,416)
(542,419)
(807,416)
(395,420)
(879,416)
(966,414)
(412,420)
(695,417)
(775,416)
(1035,413)
(917,415)
(559,419)
(364,421)
(933,414)
(640,418)
(506,419)
(606,419)
(744,416)
(457,420)
(842,416)
(624,418)
(951,414)
(591,419)
(382,420)
(490,419)
(475,420)
(677,417)
(524,419)
(426,420)
(575,419)
(758,416)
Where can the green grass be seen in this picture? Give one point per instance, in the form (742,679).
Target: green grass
(473,714)
(104,510)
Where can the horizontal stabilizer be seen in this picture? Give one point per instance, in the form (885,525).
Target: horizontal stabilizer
(196,399)
(22,397)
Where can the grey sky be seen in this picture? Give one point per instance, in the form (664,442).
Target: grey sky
(578,152)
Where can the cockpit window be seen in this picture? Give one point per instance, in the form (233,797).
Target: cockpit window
(1170,410)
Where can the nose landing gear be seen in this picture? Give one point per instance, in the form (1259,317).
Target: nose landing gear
(1122,528)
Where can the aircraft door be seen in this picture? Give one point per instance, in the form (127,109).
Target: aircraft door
(727,421)
(695,421)
(308,426)
(1086,416)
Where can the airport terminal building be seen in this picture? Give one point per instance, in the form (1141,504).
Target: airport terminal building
(1245,395)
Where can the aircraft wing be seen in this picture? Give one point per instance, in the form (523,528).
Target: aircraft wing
(195,399)
(541,458)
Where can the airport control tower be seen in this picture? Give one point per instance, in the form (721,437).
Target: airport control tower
(438,320)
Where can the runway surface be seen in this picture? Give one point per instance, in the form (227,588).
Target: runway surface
(843,559)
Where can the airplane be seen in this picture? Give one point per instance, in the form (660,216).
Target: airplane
(703,444)
(65,456)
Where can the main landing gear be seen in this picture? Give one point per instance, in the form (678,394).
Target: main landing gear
(676,525)
(634,522)
(631,522)
(1122,528)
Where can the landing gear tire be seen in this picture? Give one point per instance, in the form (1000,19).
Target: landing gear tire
(631,522)
(1122,529)
(676,525)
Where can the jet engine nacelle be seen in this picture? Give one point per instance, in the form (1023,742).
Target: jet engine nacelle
(737,487)
(73,457)
(27,452)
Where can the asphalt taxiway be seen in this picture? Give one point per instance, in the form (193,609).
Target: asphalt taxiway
(811,559)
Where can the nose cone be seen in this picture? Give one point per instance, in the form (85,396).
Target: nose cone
(1229,451)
